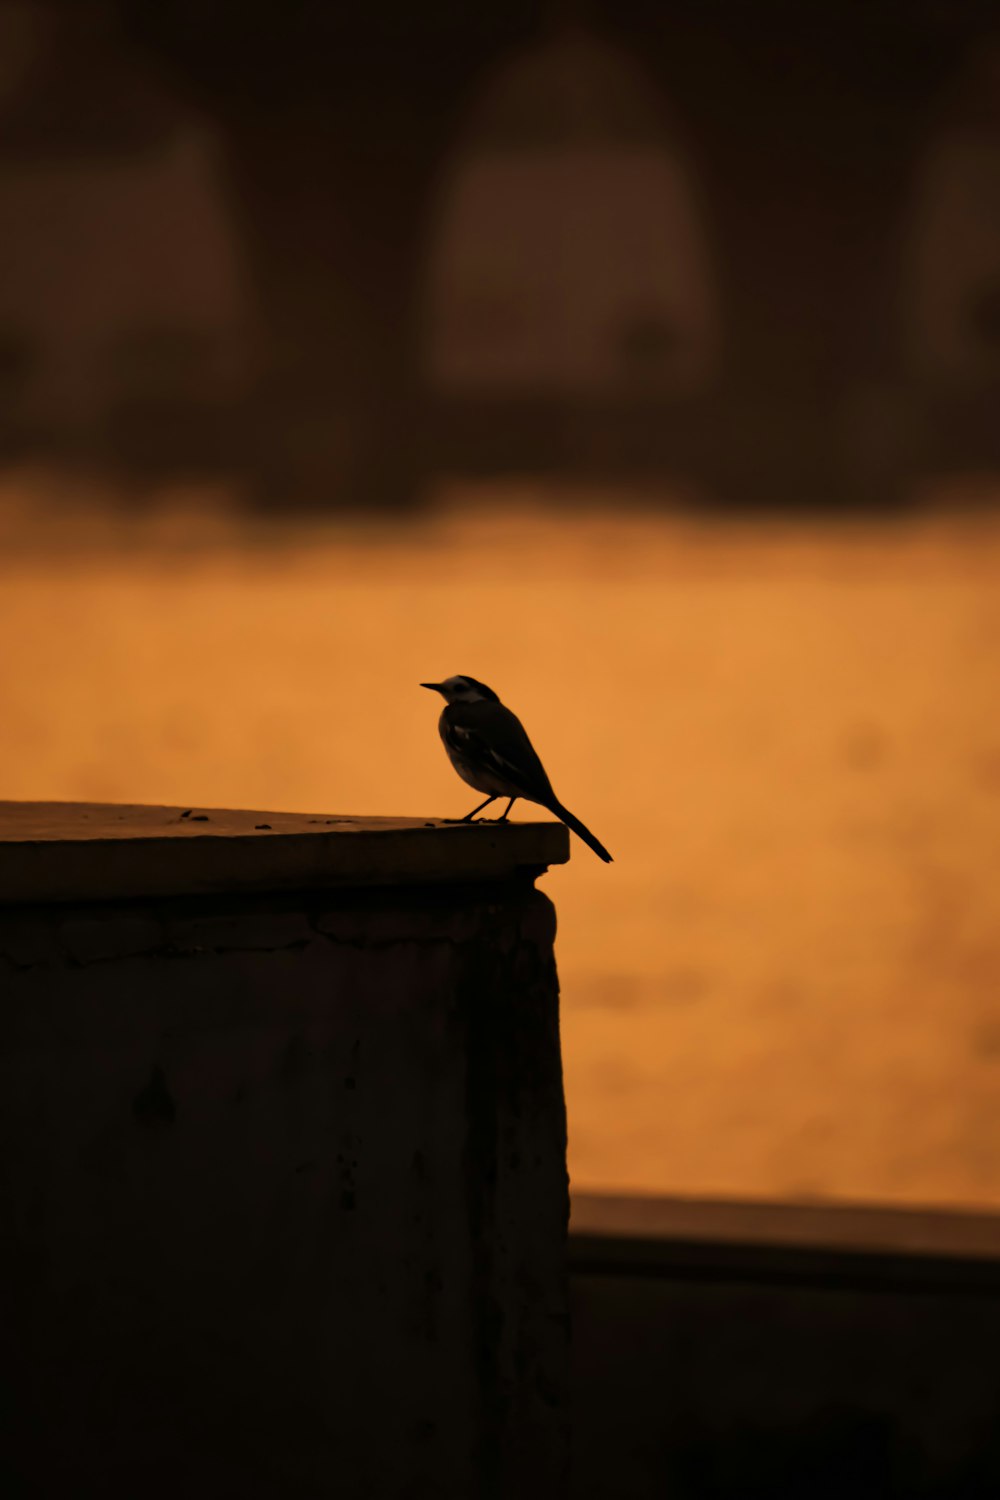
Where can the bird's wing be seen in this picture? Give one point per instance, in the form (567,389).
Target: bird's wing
(489,734)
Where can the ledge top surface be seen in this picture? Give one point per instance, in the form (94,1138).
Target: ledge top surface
(833,1226)
(80,851)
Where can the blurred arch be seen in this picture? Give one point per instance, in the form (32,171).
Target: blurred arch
(951,300)
(566,257)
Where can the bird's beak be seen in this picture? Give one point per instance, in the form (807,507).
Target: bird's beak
(435,687)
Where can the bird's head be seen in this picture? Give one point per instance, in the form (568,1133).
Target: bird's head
(462,690)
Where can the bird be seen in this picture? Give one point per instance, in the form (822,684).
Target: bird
(489,748)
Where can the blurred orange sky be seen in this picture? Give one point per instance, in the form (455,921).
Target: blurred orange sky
(788,983)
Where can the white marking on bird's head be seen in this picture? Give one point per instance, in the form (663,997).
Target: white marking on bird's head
(462,689)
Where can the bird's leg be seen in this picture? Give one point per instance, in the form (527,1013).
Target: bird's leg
(469,816)
(506,813)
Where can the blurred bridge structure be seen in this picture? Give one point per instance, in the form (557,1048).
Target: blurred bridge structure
(754,250)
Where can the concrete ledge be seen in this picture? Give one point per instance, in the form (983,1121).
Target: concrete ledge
(835,1243)
(801,1226)
(73,851)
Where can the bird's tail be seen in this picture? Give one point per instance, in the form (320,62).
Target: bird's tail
(565,816)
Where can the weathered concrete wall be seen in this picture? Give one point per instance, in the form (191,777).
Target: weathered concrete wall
(284,1196)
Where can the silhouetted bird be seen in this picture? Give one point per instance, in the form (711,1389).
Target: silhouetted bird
(490,750)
